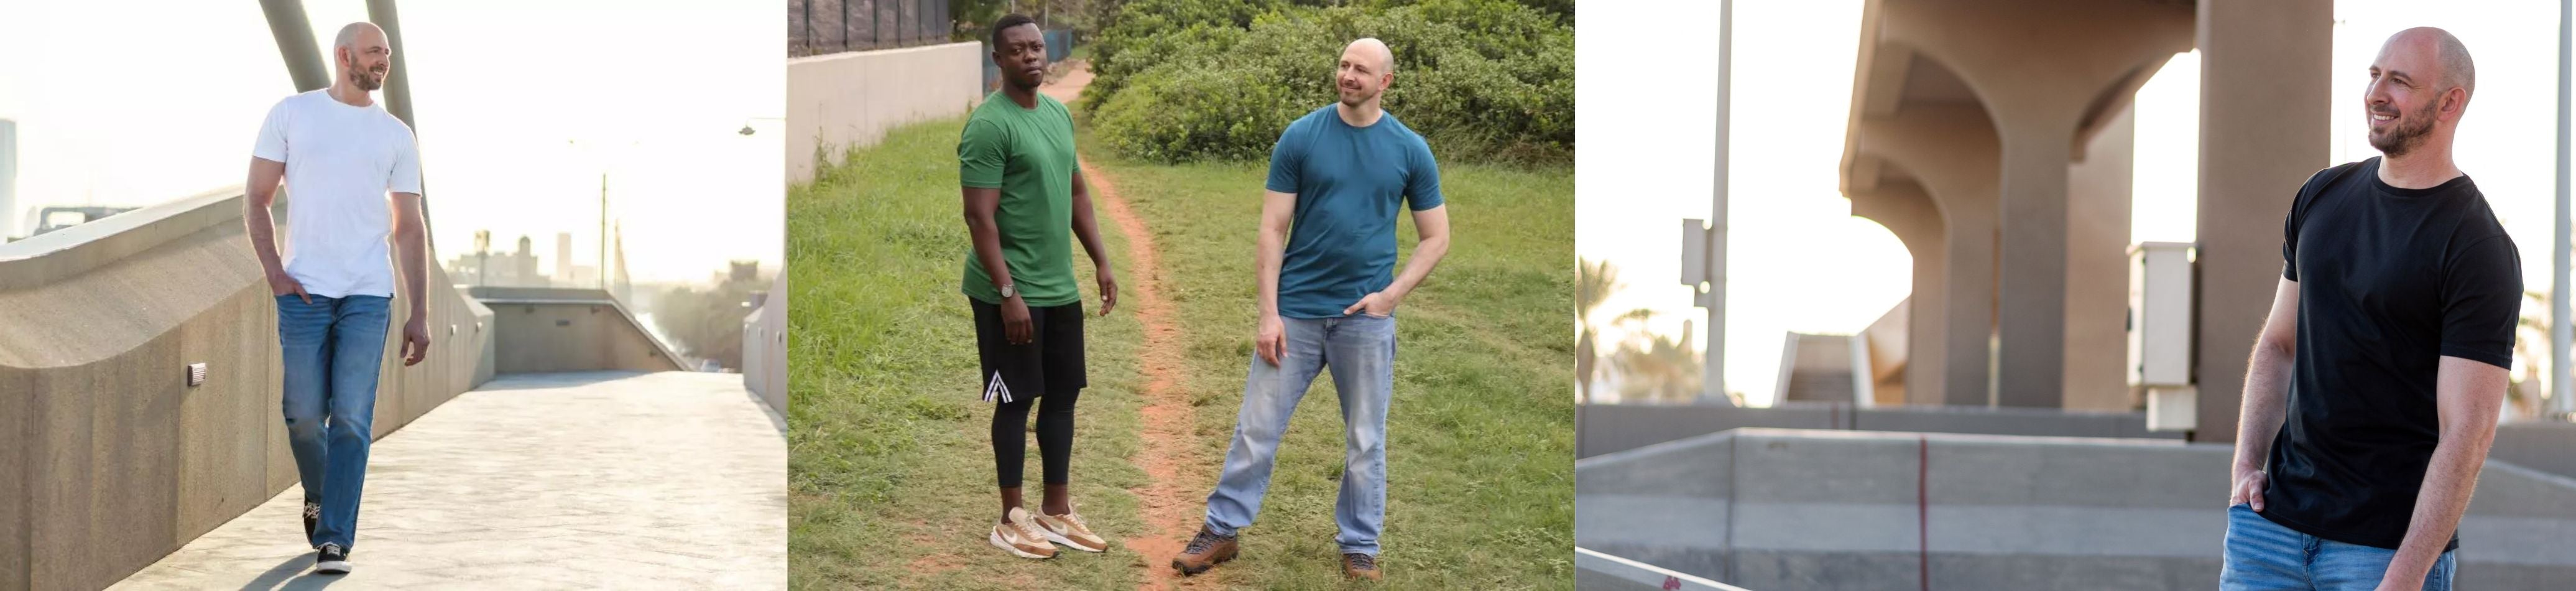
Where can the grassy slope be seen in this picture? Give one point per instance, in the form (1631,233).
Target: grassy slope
(891,475)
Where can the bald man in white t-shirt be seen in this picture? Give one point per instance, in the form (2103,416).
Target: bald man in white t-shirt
(355,173)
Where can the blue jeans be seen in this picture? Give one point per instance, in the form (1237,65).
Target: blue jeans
(2265,555)
(334,348)
(1360,350)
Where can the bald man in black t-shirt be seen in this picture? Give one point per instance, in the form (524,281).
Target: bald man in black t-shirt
(2374,388)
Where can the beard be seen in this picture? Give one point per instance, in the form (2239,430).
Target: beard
(1355,98)
(368,80)
(2405,133)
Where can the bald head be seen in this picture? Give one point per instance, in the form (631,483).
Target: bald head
(1367,67)
(2420,85)
(2443,51)
(1371,49)
(362,55)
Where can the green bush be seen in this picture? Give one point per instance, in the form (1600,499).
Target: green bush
(1482,79)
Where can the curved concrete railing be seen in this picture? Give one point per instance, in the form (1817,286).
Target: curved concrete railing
(1816,509)
(109,457)
(554,329)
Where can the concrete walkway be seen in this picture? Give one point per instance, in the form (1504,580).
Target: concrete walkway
(576,480)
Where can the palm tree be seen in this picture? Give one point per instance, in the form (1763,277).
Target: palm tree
(1596,280)
(1655,367)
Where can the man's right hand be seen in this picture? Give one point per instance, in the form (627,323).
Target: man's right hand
(2246,488)
(279,283)
(1016,328)
(1272,341)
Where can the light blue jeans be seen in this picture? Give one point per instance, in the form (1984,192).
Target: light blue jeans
(1360,351)
(2262,555)
(334,348)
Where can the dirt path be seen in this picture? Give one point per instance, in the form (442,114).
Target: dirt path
(1166,501)
(1066,88)
(1169,501)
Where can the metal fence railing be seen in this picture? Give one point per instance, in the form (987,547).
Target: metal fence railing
(831,26)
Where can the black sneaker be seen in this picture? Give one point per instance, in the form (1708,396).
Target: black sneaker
(312,515)
(332,561)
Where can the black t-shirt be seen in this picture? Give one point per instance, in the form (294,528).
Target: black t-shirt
(2390,281)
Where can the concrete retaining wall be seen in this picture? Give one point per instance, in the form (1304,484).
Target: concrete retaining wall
(764,348)
(2547,447)
(543,329)
(1611,428)
(108,459)
(1780,509)
(847,100)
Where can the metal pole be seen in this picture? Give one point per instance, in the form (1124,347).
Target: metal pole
(603,232)
(398,102)
(2560,333)
(294,33)
(1713,371)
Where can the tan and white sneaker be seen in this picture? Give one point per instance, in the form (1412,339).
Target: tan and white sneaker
(1022,537)
(1068,529)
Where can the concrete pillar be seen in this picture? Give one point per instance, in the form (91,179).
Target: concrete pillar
(2097,268)
(1950,151)
(2264,108)
(2046,70)
(1911,213)
(2030,278)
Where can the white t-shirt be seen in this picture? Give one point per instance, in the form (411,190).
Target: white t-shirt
(341,163)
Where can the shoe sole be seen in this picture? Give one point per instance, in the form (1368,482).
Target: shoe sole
(1062,540)
(1187,571)
(333,567)
(998,542)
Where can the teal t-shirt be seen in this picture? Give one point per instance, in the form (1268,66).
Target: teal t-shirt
(1028,154)
(1348,181)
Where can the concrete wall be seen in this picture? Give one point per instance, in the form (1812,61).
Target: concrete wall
(1779,509)
(846,100)
(2547,447)
(764,348)
(1612,428)
(543,329)
(108,460)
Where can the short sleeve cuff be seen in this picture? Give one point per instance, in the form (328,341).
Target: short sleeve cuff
(1425,201)
(2503,359)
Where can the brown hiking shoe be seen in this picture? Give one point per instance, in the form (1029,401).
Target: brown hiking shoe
(1021,537)
(1205,551)
(1359,566)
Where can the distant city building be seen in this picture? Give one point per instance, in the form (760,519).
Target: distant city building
(499,269)
(563,258)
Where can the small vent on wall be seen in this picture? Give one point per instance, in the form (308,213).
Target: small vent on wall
(563,323)
(196,374)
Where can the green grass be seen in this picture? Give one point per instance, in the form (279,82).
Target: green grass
(890,474)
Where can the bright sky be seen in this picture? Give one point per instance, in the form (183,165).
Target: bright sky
(521,106)
(1799,261)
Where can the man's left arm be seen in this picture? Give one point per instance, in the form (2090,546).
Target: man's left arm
(2481,294)
(2469,394)
(411,247)
(1431,233)
(1086,228)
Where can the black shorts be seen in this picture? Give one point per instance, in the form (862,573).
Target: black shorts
(1050,362)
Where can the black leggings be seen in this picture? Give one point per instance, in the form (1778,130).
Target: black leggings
(1055,436)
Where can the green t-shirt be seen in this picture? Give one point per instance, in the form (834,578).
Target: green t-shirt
(1028,154)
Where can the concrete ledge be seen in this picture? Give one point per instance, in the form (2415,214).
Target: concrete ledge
(1611,428)
(108,458)
(1799,509)
(544,329)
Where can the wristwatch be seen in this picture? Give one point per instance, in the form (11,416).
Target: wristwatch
(1009,291)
